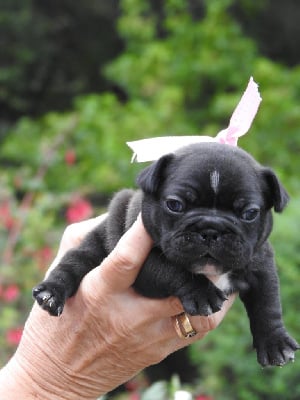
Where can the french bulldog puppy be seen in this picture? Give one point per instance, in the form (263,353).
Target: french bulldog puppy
(207,208)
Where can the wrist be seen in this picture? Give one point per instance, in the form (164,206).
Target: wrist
(33,374)
(49,368)
(16,383)
(19,382)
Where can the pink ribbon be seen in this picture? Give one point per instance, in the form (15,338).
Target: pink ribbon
(240,122)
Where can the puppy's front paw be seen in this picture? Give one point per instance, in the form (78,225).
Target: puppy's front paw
(203,301)
(277,349)
(50,296)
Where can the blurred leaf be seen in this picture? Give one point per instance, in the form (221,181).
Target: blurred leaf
(158,391)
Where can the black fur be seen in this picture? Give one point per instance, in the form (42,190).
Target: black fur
(198,228)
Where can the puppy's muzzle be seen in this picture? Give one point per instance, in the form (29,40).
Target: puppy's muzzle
(208,236)
(211,228)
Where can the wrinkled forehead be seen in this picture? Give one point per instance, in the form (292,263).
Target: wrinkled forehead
(214,179)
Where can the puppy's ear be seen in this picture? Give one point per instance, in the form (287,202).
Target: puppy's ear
(151,177)
(277,194)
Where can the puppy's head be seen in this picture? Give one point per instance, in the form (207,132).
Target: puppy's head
(208,206)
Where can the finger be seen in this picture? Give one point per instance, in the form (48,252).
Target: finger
(120,269)
(203,325)
(166,308)
(156,316)
(153,309)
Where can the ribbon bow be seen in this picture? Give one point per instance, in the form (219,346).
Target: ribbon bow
(239,124)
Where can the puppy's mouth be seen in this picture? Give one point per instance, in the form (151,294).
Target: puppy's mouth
(207,265)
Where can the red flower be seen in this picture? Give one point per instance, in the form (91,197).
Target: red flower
(70,157)
(135,396)
(11,293)
(6,218)
(13,336)
(79,210)
(203,397)
(44,256)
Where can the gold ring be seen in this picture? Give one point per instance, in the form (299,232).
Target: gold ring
(183,326)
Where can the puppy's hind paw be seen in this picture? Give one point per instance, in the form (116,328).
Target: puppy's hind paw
(277,350)
(50,297)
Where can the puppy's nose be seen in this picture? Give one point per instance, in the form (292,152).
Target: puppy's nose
(209,235)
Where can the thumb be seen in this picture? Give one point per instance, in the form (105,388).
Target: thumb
(121,267)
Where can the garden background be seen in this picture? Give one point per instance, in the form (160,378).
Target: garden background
(79,79)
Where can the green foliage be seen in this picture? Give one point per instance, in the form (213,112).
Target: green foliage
(225,359)
(187,82)
(193,58)
(205,65)
(161,390)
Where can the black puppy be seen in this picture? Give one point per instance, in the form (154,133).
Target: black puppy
(208,209)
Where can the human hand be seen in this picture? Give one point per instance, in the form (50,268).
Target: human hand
(107,332)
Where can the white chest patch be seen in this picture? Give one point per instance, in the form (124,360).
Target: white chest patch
(223,282)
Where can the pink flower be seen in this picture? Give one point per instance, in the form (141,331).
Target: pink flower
(13,336)
(203,397)
(11,293)
(70,157)
(79,210)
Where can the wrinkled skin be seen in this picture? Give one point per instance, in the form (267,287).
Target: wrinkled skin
(106,334)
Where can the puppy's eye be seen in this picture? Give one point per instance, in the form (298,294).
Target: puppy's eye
(174,205)
(250,214)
